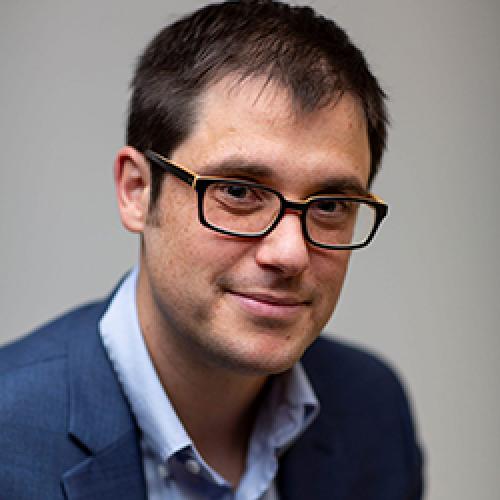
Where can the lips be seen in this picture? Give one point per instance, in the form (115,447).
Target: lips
(273,299)
(275,306)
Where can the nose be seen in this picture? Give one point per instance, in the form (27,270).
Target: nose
(285,248)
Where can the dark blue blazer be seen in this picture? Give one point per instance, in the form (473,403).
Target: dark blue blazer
(66,430)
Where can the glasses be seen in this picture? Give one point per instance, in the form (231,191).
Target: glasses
(249,210)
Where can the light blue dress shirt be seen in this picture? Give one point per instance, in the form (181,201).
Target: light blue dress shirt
(173,467)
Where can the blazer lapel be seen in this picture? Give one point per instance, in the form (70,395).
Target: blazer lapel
(309,467)
(101,423)
(113,473)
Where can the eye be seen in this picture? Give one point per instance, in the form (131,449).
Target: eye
(236,191)
(327,206)
(237,197)
(330,207)
(331,211)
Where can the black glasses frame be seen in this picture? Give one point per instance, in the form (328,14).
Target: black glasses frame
(200,183)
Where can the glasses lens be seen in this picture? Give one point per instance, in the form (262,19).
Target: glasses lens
(339,222)
(240,207)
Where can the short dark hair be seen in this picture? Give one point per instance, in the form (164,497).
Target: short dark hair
(307,54)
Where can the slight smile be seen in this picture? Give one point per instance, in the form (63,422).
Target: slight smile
(269,305)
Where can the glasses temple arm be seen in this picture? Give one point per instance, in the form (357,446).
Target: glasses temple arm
(180,172)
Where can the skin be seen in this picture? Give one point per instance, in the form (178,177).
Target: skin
(221,314)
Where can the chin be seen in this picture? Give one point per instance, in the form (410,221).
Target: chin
(262,360)
(260,367)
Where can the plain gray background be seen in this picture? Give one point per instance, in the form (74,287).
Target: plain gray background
(424,294)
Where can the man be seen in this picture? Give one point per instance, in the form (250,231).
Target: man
(255,130)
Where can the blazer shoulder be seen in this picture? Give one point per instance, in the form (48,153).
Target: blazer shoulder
(356,379)
(364,431)
(49,341)
(33,370)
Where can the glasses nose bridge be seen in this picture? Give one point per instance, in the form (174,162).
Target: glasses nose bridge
(291,207)
(297,207)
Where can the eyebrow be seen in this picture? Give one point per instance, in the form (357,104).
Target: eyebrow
(240,167)
(343,185)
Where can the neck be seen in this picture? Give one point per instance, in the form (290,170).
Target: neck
(216,405)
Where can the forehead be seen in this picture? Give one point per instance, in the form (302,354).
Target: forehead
(255,121)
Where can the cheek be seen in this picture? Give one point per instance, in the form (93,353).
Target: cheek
(176,275)
(188,256)
(330,271)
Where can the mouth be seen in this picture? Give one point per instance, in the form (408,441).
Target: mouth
(272,306)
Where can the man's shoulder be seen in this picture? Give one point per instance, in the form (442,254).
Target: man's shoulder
(34,369)
(327,356)
(60,400)
(49,341)
(349,377)
(364,430)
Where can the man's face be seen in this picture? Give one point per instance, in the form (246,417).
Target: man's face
(252,305)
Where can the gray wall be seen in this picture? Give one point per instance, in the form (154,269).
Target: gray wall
(425,294)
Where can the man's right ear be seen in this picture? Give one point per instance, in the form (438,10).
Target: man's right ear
(133,185)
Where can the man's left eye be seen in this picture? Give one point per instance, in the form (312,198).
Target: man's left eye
(327,206)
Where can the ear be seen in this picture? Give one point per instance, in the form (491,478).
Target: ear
(132,184)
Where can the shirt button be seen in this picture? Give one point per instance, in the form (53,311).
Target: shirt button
(192,466)
(163,471)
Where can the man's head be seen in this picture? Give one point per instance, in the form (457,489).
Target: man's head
(307,55)
(261,92)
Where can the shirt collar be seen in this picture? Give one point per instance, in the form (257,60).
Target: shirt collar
(124,343)
(290,405)
(288,409)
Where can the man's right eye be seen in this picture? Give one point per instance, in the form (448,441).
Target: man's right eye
(236,190)
(237,196)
